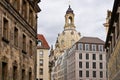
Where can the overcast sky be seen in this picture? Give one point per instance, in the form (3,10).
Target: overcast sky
(89,17)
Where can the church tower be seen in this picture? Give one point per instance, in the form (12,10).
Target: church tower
(69,35)
(69,19)
(65,40)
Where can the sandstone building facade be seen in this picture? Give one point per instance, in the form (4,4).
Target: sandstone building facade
(42,58)
(113,43)
(18,32)
(86,60)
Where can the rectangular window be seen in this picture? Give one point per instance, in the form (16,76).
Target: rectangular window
(4,71)
(101,74)
(5,28)
(80,55)
(100,57)
(80,46)
(87,73)
(30,48)
(41,54)
(15,36)
(87,47)
(23,74)
(94,65)
(87,56)
(101,65)
(94,56)
(80,73)
(41,62)
(14,73)
(31,17)
(100,48)
(15,4)
(80,64)
(87,64)
(24,43)
(41,71)
(94,74)
(24,9)
(93,47)
(30,76)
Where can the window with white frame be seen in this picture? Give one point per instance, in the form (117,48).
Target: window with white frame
(101,74)
(80,46)
(87,47)
(41,62)
(39,43)
(100,48)
(41,71)
(87,56)
(80,56)
(100,57)
(93,47)
(41,54)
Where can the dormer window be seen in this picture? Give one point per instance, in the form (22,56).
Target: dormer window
(39,43)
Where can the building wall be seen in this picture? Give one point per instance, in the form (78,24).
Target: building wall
(15,61)
(59,70)
(113,44)
(45,66)
(90,69)
(73,65)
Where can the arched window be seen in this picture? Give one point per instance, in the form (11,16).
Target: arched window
(70,20)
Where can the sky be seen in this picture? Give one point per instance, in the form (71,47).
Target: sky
(90,15)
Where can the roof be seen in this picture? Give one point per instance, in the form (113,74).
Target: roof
(69,10)
(91,40)
(44,44)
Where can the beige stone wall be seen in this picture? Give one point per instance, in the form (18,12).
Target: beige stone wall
(67,37)
(9,53)
(45,66)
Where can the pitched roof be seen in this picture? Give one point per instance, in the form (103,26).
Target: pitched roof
(44,44)
(91,40)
